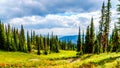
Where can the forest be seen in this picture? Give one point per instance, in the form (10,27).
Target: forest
(93,50)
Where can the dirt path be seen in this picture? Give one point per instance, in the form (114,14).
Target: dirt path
(72,60)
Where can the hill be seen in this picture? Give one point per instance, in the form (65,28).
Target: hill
(73,38)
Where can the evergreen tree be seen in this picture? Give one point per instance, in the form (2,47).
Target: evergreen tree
(87,40)
(79,41)
(51,43)
(96,48)
(106,25)
(118,9)
(118,23)
(57,44)
(48,40)
(63,45)
(38,45)
(45,46)
(83,42)
(31,39)
(22,46)
(115,40)
(8,43)
(69,45)
(13,46)
(28,43)
(41,42)
(15,40)
(34,38)
(2,36)
(91,45)
(101,26)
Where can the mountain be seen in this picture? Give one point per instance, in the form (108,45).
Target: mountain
(73,38)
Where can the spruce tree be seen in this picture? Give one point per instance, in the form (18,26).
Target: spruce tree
(28,43)
(45,46)
(48,40)
(116,45)
(79,41)
(87,40)
(22,46)
(13,46)
(31,39)
(15,40)
(96,46)
(34,38)
(63,45)
(83,42)
(51,43)
(101,26)
(8,43)
(118,23)
(57,44)
(2,36)
(107,25)
(91,45)
(38,45)
(118,9)
(69,45)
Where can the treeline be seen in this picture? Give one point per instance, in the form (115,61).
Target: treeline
(102,41)
(12,39)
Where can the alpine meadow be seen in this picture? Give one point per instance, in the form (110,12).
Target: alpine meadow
(60,34)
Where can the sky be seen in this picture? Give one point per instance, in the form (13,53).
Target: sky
(62,17)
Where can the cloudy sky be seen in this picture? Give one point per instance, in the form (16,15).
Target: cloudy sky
(62,17)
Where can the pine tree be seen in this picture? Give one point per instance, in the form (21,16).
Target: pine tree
(79,41)
(83,42)
(41,42)
(48,40)
(91,45)
(87,40)
(34,38)
(111,41)
(63,45)
(38,45)
(13,46)
(15,40)
(96,45)
(2,36)
(31,39)
(69,45)
(8,43)
(115,40)
(57,44)
(28,43)
(101,26)
(106,26)
(118,9)
(22,46)
(51,43)
(118,23)
(45,46)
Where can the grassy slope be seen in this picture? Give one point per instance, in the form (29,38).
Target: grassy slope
(64,59)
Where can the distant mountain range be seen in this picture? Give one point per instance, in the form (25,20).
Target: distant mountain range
(73,38)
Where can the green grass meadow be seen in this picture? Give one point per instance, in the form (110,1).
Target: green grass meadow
(64,59)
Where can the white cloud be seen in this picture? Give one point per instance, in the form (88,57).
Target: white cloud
(61,24)
(22,8)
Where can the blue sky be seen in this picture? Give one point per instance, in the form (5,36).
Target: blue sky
(62,17)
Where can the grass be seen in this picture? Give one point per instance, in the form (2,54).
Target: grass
(33,60)
(64,59)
